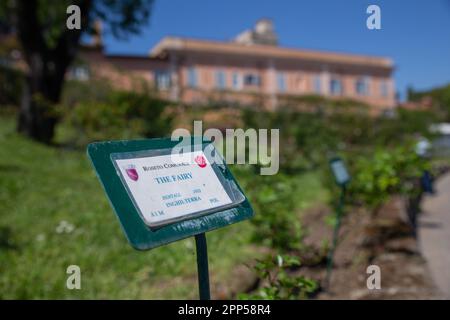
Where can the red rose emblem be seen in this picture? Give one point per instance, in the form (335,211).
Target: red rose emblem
(132,173)
(201,161)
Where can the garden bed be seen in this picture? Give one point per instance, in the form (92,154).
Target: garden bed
(385,240)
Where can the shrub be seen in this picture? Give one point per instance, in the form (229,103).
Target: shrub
(298,133)
(76,92)
(279,284)
(275,201)
(146,109)
(440,98)
(122,115)
(406,124)
(308,139)
(385,172)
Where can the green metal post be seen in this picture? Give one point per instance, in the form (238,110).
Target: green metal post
(202,266)
(337,226)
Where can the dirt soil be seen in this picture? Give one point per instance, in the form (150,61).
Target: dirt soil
(385,240)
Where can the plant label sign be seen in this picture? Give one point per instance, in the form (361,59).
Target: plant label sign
(339,170)
(160,197)
(166,190)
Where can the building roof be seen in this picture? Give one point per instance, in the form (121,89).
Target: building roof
(256,50)
(131,57)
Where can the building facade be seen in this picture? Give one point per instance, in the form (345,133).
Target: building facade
(250,69)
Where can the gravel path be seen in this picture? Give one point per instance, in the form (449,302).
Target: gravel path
(434,234)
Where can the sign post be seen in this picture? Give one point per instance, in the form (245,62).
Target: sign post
(342,178)
(161,196)
(202,266)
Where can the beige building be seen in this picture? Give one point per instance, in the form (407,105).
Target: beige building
(250,69)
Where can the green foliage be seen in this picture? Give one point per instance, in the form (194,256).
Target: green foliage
(440,99)
(277,223)
(400,129)
(44,186)
(385,172)
(92,91)
(375,149)
(61,186)
(415,121)
(291,124)
(310,138)
(53,46)
(149,111)
(273,272)
(116,115)
(121,17)
(277,201)
(132,15)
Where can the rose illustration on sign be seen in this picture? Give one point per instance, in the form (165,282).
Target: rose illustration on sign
(201,161)
(132,172)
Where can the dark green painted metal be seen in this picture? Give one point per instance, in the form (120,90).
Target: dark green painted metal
(202,267)
(139,235)
(337,226)
(339,211)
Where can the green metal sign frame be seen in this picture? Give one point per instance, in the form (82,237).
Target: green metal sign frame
(342,179)
(139,235)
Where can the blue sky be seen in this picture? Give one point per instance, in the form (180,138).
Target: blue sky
(415,34)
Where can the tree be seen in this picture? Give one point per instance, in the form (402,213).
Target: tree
(49,47)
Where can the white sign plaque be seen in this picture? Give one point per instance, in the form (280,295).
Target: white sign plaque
(165,191)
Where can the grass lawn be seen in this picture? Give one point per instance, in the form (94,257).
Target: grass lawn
(41,186)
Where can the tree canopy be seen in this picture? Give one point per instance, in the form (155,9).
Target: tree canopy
(49,47)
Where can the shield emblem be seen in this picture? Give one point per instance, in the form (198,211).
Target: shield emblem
(201,161)
(132,173)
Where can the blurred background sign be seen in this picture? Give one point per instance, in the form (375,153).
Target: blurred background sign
(339,171)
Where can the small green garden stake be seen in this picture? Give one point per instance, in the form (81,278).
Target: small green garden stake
(342,178)
(202,267)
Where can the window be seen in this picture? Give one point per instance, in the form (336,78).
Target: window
(162,79)
(317,84)
(192,77)
(251,79)
(335,87)
(362,86)
(281,83)
(80,73)
(236,81)
(384,88)
(220,80)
